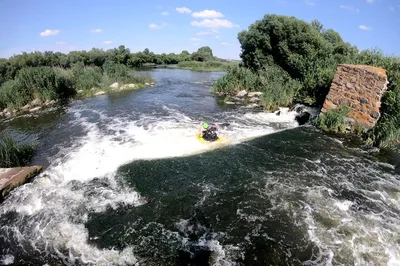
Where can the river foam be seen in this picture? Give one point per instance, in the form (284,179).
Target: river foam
(50,212)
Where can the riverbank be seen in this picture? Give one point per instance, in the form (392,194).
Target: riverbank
(208,66)
(38,105)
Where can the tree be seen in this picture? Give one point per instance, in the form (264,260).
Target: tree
(305,51)
(203,54)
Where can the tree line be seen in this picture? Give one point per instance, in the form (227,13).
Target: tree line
(96,58)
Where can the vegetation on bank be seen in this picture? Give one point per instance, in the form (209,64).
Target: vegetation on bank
(14,154)
(334,120)
(40,77)
(291,61)
(44,83)
(206,66)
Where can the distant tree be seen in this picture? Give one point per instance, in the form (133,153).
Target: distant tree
(203,54)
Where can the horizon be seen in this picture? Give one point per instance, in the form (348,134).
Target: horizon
(174,26)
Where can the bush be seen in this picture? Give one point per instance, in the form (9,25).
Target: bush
(306,51)
(45,83)
(14,154)
(12,95)
(333,120)
(87,77)
(236,79)
(278,88)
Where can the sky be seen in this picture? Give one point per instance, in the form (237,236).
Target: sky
(165,26)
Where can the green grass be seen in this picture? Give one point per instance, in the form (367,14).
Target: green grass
(277,86)
(205,66)
(53,83)
(13,154)
(333,120)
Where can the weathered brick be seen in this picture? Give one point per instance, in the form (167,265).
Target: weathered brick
(360,87)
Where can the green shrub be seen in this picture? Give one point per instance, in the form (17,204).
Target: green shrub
(122,74)
(236,79)
(87,77)
(12,95)
(333,120)
(45,83)
(13,154)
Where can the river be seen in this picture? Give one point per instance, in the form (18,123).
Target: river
(127,183)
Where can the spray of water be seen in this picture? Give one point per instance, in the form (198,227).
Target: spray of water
(81,179)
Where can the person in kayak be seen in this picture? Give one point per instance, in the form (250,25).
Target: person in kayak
(208,133)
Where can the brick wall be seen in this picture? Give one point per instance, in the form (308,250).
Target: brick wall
(361,88)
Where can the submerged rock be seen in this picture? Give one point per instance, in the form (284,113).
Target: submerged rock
(303,118)
(13,177)
(79,91)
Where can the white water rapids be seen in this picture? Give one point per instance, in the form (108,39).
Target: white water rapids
(55,206)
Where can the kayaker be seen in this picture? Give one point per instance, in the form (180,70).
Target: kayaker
(209,133)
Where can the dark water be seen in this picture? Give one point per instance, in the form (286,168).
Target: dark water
(127,183)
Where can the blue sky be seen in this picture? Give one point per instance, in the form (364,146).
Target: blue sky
(173,26)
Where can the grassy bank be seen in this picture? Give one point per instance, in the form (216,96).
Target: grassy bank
(290,61)
(205,66)
(13,154)
(41,84)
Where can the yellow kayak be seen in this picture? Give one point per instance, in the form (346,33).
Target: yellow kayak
(220,139)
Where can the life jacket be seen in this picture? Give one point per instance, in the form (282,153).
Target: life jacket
(210,134)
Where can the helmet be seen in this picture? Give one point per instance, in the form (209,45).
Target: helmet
(205,125)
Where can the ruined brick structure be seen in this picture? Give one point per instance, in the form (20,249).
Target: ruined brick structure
(361,88)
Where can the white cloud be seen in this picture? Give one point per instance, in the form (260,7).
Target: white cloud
(217,37)
(204,33)
(165,13)
(61,43)
(363,27)
(48,32)
(213,23)
(107,42)
(96,30)
(207,14)
(183,10)
(156,27)
(310,2)
(350,8)
(215,30)
(194,39)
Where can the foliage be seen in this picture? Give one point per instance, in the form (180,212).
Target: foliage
(203,54)
(308,55)
(333,120)
(87,77)
(205,66)
(307,52)
(278,88)
(12,95)
(387,131)
(13,154)
(45,83)
(96,57)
